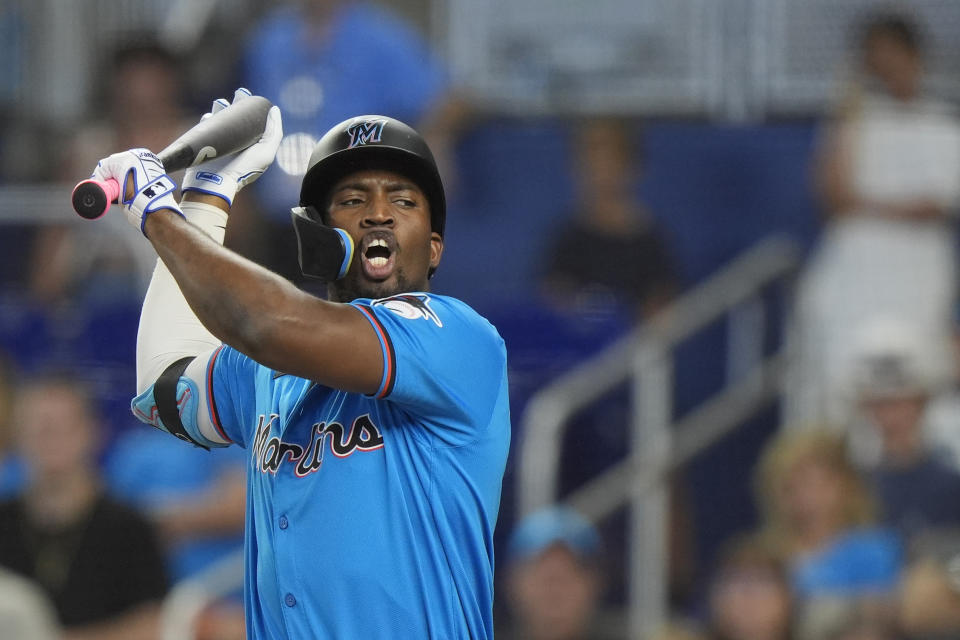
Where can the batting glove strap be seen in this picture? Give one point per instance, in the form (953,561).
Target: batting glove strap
(211,182)
(156,194)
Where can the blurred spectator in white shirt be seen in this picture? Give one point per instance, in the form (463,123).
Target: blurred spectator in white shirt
(888,176)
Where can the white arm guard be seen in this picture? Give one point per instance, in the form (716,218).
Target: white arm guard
(169,330)
(179,403)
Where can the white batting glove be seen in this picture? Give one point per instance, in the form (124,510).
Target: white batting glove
(140,172)
(225,176)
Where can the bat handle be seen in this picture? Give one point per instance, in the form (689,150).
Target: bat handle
(91,198)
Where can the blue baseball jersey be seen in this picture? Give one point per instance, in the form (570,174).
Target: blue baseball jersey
(373,516)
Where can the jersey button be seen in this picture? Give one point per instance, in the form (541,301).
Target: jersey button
(290,600)
(284,523)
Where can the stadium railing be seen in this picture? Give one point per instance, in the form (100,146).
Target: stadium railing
(660,443)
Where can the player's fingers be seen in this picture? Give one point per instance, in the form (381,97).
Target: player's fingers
(219,105)
(116,165)
(240,94)
(273,129)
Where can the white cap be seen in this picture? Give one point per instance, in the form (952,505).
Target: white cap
(889,361)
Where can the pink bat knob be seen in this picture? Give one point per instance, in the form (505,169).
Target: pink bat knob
(91,198)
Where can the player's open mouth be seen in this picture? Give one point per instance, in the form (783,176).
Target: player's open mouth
(378,255)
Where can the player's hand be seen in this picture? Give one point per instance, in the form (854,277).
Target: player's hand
(144,185)
(225,176)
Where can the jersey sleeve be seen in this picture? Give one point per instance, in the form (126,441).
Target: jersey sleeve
(230,380)
(214,394)
(441,362)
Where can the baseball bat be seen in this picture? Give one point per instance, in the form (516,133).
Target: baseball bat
(231,129)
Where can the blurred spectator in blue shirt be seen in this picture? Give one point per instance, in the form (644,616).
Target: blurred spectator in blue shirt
(819,515)
(323,61)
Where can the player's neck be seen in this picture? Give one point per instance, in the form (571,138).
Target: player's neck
(342,293)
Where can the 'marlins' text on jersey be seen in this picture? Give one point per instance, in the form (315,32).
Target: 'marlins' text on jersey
(270,452)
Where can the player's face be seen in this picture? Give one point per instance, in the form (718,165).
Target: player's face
(388,217)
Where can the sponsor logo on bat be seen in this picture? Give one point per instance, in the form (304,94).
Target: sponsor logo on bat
(206,153)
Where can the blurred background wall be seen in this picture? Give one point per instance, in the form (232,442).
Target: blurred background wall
(725,103)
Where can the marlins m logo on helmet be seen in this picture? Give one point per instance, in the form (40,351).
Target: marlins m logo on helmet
(365,132)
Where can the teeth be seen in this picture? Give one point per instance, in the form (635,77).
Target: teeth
(378,243)
(379,261)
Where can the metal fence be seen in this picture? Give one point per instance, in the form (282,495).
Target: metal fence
(660,440)
(724,59)
(544,56)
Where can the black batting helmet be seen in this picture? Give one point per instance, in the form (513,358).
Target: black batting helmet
(373,142)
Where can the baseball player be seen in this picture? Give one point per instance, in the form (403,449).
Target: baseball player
(376,421)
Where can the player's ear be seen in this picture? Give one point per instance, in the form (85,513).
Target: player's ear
(436,249)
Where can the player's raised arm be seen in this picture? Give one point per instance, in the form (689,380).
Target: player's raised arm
(263,315)
(170,375)
(386,194)
(169,331)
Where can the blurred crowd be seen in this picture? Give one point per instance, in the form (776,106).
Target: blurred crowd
(855,503)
